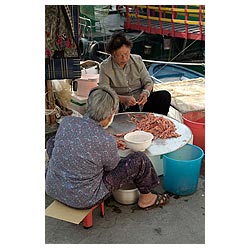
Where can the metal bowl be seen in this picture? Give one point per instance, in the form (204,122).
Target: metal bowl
(127,194)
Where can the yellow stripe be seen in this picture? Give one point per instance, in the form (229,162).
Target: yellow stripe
(169,20)
(188,22)
(166,8)
(170,9)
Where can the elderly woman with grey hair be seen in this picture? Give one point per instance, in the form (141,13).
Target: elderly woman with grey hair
(84,166)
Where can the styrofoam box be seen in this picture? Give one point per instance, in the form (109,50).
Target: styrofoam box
(78,103)
(91,70)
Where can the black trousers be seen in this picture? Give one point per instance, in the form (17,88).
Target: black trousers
(158,102)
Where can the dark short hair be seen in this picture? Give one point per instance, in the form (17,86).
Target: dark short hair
(116,41)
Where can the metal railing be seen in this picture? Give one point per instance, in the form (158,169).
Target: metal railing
(184,21)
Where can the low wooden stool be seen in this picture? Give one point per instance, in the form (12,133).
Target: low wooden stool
(63,212)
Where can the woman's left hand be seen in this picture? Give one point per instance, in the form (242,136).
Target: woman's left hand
(143,99)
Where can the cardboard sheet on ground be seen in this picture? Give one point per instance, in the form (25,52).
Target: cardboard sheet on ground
(62,212)
(187,95)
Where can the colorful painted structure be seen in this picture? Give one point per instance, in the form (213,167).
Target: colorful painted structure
(182,21)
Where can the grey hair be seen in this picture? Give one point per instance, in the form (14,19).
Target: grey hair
(101,103)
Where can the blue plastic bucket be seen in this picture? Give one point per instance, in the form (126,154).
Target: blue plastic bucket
(181,170)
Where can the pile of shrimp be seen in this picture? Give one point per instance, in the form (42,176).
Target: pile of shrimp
(157,125)
(121,144)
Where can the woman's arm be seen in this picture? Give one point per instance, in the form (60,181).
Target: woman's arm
(103,76)
(145,77)
(111,158)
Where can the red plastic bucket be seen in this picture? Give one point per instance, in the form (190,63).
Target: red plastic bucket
(195,120)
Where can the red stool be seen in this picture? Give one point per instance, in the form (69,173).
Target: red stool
(88,220)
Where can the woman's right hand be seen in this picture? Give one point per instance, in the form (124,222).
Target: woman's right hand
(130,101)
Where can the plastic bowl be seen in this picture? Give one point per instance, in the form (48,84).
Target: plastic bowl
(127,194)
(138,140)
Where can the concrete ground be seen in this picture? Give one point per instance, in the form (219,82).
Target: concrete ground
(182,221)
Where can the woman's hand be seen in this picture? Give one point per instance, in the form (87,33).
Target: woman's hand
(127,100)
(130,101)
(143,99)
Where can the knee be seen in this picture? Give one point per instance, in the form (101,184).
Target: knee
(163,97)
(138,155)
(165,94)
(141,156)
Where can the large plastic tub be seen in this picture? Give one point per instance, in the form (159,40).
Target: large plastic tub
(196,122)
(181,170)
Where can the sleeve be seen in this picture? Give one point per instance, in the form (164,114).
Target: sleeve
(145,77)
(112,158)
(103,76)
